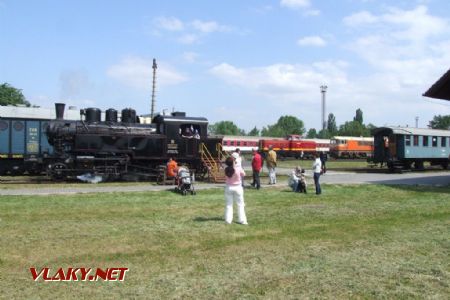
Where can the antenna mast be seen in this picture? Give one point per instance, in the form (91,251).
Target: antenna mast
(152,113)
(323,90)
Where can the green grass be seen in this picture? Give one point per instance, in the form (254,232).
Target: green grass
(351,242)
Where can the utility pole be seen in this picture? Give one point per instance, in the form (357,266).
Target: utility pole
(323,90)
(152,113)
(417,122)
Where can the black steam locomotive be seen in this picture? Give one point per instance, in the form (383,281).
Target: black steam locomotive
(116,149)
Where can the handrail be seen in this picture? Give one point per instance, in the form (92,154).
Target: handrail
(220,152)
(214,164)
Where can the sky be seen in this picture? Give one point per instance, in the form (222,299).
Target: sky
(247,61)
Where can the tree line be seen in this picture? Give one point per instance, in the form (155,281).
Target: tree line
(285,125)
(292,125)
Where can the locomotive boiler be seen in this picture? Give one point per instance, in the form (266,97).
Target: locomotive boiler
(123,148)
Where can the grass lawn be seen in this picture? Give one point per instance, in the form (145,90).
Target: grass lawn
(351,242)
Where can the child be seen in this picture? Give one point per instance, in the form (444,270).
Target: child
(301,187)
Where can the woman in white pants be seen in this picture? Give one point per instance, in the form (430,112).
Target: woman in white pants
(234,192)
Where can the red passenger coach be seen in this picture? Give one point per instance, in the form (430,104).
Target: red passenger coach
(244,143)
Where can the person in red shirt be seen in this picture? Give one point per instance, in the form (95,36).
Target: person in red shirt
(172,168)
(256,168)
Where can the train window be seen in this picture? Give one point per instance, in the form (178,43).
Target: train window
(245,143)
(434,141)
(407,140)
(190,131)
(18,126)
(238,143)
(443,141)
(425,141)
(3,125)
(415,140)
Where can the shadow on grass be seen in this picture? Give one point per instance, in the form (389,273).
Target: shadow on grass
(208,219)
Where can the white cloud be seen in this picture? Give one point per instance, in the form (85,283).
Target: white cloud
(360,18)
(315,41)
(137,72)
(415,24)
(282,81)
(295,4)
(187,32)
(169,23)
(312,12)
(208,26)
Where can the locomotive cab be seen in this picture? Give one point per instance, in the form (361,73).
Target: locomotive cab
(183,133)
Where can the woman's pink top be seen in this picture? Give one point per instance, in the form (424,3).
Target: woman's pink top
(236,178)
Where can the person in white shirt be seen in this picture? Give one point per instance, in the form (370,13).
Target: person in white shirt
(237,157)
(317,169)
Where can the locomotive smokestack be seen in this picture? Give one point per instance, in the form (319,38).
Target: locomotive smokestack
(59,109)
(152,113)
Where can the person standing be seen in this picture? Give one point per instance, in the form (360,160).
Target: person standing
(317,169)
(323,159)
(234,192)
(237,157)
(256,168)
(238,161)
(271,165)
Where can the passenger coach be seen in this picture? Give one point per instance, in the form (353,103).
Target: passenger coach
(23,140)
(401,147)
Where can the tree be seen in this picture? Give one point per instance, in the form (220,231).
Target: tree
(324,134)
(312,133)
(272,130)
(225,128)
(285,125)
(331,125)
(353,128)
(9,95)
(254,132)
(440,122)
(358,116)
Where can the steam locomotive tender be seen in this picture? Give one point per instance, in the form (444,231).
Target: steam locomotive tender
(117,150)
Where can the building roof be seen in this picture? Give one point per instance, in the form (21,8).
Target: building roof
(37,113)
(440,89)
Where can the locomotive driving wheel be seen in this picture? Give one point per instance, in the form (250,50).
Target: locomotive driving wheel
(58,171)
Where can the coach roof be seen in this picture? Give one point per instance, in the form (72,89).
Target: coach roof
(412,131)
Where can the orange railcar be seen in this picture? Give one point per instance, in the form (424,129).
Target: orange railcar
(351,147)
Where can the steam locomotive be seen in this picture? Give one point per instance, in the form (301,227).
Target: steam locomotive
(117,149)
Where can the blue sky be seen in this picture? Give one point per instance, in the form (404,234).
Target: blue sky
(245,61)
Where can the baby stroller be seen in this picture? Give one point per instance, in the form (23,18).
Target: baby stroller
(184,182)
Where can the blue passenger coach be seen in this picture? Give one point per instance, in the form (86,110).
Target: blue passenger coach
(403,147)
